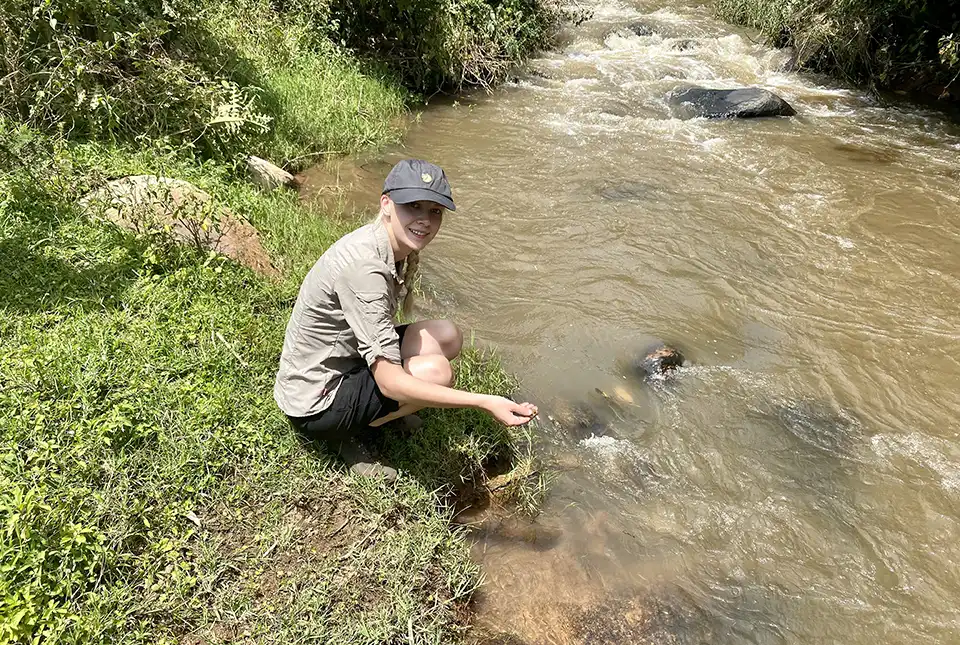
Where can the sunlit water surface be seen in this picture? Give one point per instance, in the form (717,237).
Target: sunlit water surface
(799,482)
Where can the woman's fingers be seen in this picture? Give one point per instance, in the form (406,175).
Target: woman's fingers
(527,410)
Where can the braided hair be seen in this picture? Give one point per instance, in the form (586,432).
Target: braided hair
(411,270)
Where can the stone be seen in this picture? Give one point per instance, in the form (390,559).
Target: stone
(147,204)
(659,363)
(741,103)
(683,44)
(638,28)
(579,419)
(267,176)
(641,29)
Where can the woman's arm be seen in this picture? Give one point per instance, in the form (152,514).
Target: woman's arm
(400,386)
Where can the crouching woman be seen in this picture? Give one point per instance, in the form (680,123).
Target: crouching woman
(345,366)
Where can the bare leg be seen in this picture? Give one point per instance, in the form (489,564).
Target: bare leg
(432,337)
(428,347)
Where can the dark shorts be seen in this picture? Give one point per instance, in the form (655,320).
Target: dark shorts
(358,402)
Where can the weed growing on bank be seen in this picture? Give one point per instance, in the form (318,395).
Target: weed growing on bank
(150,491)
(891,44)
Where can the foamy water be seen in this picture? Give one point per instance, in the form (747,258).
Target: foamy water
(797,483)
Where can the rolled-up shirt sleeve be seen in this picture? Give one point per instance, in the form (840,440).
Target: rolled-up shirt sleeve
(364,291)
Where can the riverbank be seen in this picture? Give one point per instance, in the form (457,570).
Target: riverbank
(150,490)
(901,46)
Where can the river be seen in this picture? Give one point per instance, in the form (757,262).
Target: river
(798,482)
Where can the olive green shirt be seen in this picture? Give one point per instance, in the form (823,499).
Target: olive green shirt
(343,318)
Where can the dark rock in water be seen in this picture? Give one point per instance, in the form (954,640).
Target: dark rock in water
(743,103)
(641,29)
(659,362)
(683,44)
(538,73)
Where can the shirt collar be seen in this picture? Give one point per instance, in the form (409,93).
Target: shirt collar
(384,250)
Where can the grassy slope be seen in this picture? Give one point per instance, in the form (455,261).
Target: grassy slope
(150,491)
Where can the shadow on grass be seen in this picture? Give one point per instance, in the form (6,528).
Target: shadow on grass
(453,453)
(33,280)
(52,256)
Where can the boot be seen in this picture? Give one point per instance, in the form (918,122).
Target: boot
(406,426)
(361,462)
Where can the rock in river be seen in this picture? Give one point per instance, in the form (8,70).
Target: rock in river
(742,103)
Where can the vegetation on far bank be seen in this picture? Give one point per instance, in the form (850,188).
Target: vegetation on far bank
(150,491)
(282,80)
(911,45)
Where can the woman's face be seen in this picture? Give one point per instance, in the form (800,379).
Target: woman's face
(412,225)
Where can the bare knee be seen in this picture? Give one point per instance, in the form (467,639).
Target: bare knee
(433,368)
(450,338)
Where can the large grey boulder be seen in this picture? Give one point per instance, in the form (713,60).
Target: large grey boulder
(169,207)
(742,103)
(267,176)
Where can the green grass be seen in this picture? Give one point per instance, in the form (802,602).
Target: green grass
(320,100)
(150,490)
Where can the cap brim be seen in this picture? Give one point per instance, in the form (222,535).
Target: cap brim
(409,195)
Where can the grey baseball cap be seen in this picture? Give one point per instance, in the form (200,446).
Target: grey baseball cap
(414,180)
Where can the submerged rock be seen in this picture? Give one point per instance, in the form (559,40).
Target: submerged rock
(742,103)
(817,424)
(578,419)
(640,28)
(645,619)
(683,44)
(147,204)
(659,363)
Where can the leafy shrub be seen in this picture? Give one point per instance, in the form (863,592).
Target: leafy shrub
(249,75)
(120,69)
(446,44)
(908,44)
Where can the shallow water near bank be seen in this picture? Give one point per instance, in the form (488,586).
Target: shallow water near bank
(799,482)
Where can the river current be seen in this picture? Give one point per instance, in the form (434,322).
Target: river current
(798,482)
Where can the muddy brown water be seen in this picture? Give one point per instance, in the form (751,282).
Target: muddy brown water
(799,482)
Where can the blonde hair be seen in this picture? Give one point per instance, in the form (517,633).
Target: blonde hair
(411,270)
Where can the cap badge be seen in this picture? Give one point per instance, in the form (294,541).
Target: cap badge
(426,178)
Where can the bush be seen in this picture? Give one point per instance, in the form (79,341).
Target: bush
(249,75)
(888,44)
(119,69)
(446,44)
(221,78)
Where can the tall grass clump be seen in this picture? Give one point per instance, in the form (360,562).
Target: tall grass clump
(886,44)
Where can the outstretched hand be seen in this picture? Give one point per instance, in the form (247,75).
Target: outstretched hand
(511,413)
